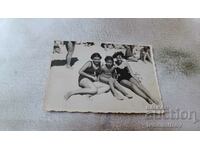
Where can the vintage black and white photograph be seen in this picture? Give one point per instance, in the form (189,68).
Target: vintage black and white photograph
(102,77)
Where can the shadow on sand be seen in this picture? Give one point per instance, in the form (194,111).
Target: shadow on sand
(63,62)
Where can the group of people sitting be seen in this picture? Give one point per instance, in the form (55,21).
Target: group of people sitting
(96,78)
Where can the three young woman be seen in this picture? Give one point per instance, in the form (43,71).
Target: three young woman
(95,78)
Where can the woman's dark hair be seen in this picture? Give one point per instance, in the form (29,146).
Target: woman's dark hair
(103,45)
(146,48)
(95,55)
(109,58)
(117,54)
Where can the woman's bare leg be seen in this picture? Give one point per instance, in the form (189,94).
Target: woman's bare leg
(134,59)
(112,88)
(140,86)
(136,90)
(88,88)
(145,57)
(149,58)
(121,89)
(143,89)
(101,87)
(70,48)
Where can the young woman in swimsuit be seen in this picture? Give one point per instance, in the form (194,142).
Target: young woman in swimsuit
(108,76)
(127,79)
(88,78)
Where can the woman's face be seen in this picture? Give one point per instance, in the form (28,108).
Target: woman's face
(96,60)
(109,63)
(119,58)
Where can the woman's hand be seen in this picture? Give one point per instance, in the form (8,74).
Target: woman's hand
(137,79)
(95,78)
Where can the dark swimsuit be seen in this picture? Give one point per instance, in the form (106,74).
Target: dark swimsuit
(91,71)
(123,74)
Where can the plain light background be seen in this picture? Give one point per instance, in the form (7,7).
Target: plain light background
(25,54)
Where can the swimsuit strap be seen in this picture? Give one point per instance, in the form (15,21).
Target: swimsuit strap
(122,64)
(91,64)
(95,70)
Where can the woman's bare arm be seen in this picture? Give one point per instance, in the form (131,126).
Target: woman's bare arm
(129,68)
(114,73)
(85,66)
(131,72)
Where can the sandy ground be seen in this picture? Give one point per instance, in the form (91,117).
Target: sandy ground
(63,80)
